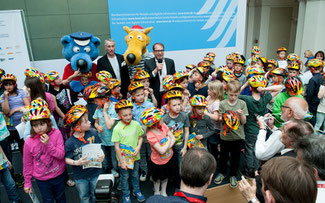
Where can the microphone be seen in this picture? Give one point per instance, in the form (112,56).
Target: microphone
(160,61)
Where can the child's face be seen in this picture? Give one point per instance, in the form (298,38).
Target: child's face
(275,78)
(58,81)
(319,56)
(238,68)
(85,124)
(184,84)
(282,54)
(292,73)
(99,102)
(39,127)
(145,83)
(116,90)
(175,105)
(210,93)
(138,96)
(232,96)
(199,110)
(84,81)
(9,87)
(230,64)
(126,115)
(196,76)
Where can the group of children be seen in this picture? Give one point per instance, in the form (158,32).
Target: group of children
(204,106)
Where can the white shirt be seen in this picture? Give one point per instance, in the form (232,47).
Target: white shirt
(161,75)
(320,192)
(264,150)
(115,66)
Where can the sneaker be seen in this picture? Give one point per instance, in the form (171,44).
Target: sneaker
(218,180)
(115,173)
(126,199)
(139,196)
(143,176)
(233,182)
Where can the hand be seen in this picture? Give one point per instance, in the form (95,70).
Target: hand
(100,128)
(136,151)
(159,66)
(260,122)
(123,165)
(199,137)
(9,164)
(186,92)
(28,190)
(183,151)
(150,90)
(6,93)
(247,190)
(239,112)
(82,161)
(106,106)
(259,89)
(44,138)
(270,122)
(77,73)
(101,157)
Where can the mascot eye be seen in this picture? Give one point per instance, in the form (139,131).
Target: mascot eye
(87,49)
(139,37)
(75,49)
(130,37)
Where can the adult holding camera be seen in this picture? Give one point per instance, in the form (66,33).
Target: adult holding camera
(159,68)
(197,169)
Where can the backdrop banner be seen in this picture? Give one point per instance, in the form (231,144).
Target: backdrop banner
(13,49)
(188,28)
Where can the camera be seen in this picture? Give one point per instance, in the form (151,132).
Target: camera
(105,190)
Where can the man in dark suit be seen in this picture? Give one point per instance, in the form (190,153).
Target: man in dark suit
(159,68)
(115,65)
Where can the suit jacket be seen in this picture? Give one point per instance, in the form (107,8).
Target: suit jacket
(104,64)
(150,65)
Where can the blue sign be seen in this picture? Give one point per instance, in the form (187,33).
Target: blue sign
(179,25)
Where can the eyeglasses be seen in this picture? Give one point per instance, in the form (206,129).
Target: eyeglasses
(159,51)
(283,106)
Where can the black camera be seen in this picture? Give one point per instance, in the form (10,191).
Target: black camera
(105,190)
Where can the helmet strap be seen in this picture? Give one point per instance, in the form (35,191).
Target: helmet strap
(125,123)
(81,136)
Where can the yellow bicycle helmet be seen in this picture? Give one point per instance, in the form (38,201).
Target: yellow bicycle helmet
(140,75)
(113,83)
(151,116)
(74,114)
(8,76)
(123,103)
(257,81)
(103,76)
(198,100)
(173,94)
(135,85)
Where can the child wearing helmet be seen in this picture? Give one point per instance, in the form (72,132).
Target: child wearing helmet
(81,134)
(77,87)
(293,87)
(189,68)
(316,67)
(320,115)
(282,61)
(198,85)
(233,136)
(230,58)
(216,95)
(12,102)
(43,156)
(238,70)
(271,65)
(177,122)
(161,141)
(200,123)
(143,77)
(115,86)
(128,134)
(255,51)
(136,89)
(105,118)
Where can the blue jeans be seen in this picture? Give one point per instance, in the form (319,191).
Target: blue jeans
(83,187)
(110,161)
(144,153)
(134,179)
(251,161)
(52,189)
(9,184)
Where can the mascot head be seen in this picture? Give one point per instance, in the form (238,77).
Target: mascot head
(137,40)
(80,48)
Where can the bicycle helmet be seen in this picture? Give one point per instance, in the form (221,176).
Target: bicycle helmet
(135,85)
(175,86)
(113,83)
(204,64)
(123,103)
(228,75)
(190,66)
(151,116)
(239,61)
(256,50)
(173,94)
(141,74)
(38,112)
(87,75)
(98,91)
(272,61)
(198,100)
(8,76)
(74,114)
(208,58)
(280,72)
(294,66)
(281,49)
(231,119)
(51,76)
(293,57)
(211,54)
(180,74)
(103,76)
(293,86)
(257,81)
(167,82)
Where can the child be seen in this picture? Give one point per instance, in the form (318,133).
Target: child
(43,156)
(161,141)
(256,105)
(5,165)
(200,124)
(189,68)
(82,134)
(216,95)
(181,78)
(316,67)
(271,65)
(232,139)
(139,106)
(278,75)
(177,122)
(282,62)
(230,61)
(143,77)
(198,85)
(238,70)
(128,132)
(293,69)
(320,109)
(78,87)
(105,119)
(114,86)
(255,51)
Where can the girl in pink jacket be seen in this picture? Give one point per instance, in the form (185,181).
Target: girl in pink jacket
(43,156)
